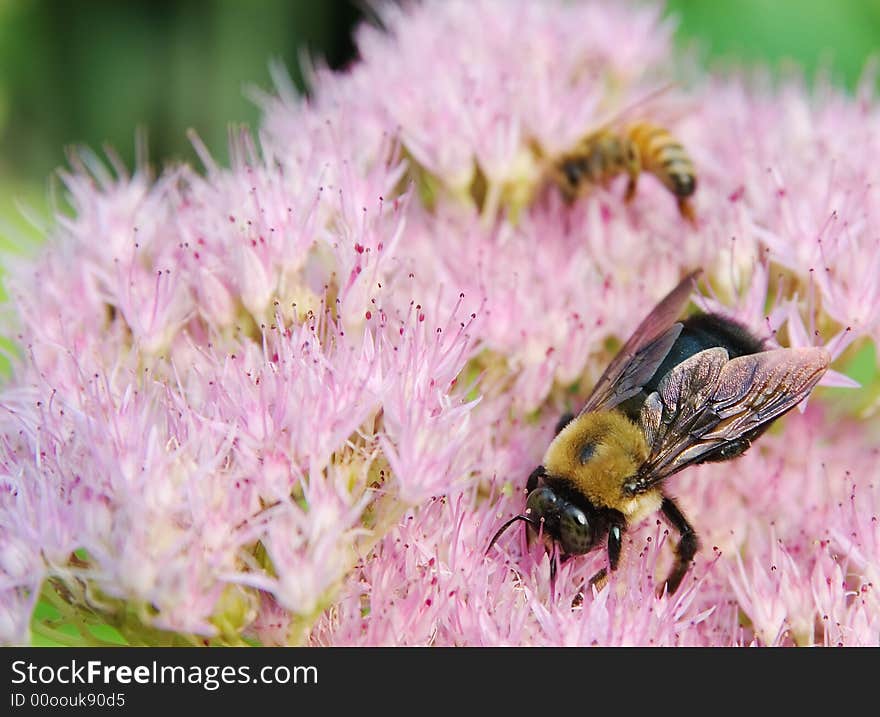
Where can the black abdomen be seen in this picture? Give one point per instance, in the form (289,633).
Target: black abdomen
(698,333)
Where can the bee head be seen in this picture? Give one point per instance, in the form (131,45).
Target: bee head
(574,528)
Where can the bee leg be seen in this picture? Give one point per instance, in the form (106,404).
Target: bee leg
(615,544)
(687,546)
(532,482)
(600,579)
(726,452)
(732,449)
(563,421)
(686,210)
(631,188)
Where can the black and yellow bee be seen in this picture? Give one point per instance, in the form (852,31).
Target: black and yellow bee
(678,393)
(639,147)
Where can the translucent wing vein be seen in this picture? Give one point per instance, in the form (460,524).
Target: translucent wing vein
(709,402)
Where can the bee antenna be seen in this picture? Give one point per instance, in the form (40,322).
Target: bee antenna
(504,527)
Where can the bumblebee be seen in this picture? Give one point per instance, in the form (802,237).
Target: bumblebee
(640,147)
(678,393)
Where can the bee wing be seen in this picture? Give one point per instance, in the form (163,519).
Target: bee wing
(637,104)
(708,402)
(605,121)
(643,353)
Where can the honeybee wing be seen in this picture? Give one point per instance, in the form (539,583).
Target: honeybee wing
(605,121)
(636,105)
(709,402)
(643,352)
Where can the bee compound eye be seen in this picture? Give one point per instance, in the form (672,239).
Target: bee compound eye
(575,531)
(541,503)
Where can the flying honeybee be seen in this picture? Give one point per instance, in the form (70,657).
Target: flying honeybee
(678,393)
(639,147)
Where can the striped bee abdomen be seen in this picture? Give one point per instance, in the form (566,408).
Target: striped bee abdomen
(664,156)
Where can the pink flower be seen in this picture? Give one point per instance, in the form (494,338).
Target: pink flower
(291,400)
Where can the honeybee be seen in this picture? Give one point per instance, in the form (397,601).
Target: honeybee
(678,393)
(639,147)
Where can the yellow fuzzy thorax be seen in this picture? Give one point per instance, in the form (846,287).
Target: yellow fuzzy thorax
(595,453)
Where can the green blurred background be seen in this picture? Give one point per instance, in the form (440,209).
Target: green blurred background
(91,71)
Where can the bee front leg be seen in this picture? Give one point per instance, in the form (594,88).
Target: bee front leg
(687,546)
(615,545)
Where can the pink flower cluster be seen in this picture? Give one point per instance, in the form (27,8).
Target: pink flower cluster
(291,400)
